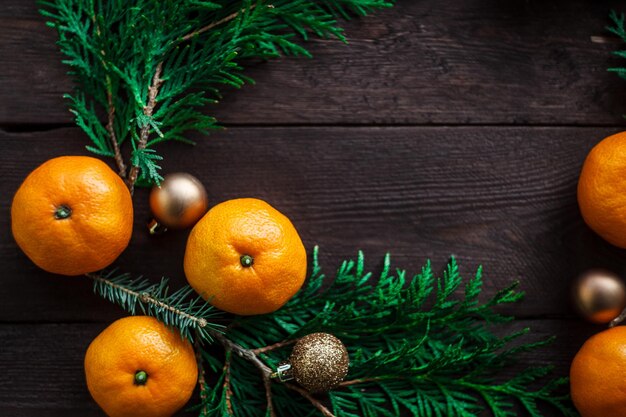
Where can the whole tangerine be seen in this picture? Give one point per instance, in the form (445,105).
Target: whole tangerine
(245,257)
(602,189)
(72,215)
(597,375)
(137,367)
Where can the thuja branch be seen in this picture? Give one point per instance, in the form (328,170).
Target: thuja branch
(189,317)
(453,359)
(117,50)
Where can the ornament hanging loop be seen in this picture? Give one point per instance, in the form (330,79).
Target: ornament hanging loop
(618,320)
(156,228)
(283,373)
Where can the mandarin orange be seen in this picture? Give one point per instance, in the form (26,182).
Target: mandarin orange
(597,381)
(602,189)
(72,215)
(137,367)
(245,257)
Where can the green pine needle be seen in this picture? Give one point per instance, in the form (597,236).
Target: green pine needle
(187,313)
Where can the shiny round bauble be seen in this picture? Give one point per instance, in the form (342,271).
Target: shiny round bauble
(599,295)
(179,201)
(319,361)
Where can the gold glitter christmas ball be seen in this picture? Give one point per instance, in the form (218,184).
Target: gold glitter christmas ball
(599,296)
(179,201)
(319,362)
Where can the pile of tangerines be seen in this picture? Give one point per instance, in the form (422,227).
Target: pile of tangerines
(73,216)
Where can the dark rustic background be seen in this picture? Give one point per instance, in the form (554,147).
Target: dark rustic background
(445,127)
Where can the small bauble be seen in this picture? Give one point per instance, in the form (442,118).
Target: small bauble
(597,383)
(601,186)
(319,362)
(179,201)
(599,296)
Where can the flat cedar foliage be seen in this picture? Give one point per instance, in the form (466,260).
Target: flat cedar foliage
(114,49)
(415,348)
(145,72)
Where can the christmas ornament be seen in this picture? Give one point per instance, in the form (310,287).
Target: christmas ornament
(178,202)
(245,257)
(597,375)
(599,296)
(601,188)
(138,367)
(72,215)
(319,361)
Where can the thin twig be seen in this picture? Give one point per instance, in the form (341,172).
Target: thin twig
(227,387)
(201,376)
(275,346)
(119,160)
(147,298)
(153,91)
(213,24)
(316,403)
(359,381)
(249,355)
(267,382)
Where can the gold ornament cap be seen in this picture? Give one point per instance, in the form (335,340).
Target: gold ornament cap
(319,361)
(178,202)
(599,295)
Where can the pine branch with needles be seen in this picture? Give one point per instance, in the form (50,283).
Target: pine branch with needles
(145,71)
(417,347)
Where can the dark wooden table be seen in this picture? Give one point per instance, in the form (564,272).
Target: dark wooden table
(446,127)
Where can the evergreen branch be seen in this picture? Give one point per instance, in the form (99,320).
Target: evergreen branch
(189,316)
(145,125)
(116,48)
(416,345)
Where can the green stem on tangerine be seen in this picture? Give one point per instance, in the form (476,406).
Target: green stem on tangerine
(62,212)
(141,377)
(246,261)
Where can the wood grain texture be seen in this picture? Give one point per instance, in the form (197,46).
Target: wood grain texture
(494,195)
(42,364)
(502,197)
(423,62)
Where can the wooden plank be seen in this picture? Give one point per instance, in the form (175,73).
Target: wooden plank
(423,62)
(42,364)
(502,197)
